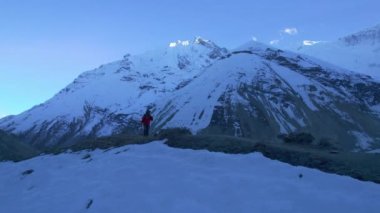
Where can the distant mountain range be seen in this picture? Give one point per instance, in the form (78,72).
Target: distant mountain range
(253,91)
(359,52)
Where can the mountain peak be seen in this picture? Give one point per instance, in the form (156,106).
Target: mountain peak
(179,43)
(196,48)
(198,40)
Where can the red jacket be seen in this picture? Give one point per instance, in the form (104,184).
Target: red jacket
(146,119)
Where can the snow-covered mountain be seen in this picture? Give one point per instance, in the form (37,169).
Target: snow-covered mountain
(156,178)
(359,52)
(113,97)
(253,91)
(260,92)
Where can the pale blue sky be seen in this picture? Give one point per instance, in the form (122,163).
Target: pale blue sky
(45,44)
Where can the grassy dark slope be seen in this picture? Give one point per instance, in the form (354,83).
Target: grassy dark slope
(104,143)
(214,143)
(362,166)
(111,142)
(11,148)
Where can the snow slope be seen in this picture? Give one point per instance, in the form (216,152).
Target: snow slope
(156,178)
(359,52)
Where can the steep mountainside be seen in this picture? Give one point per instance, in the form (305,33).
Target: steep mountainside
(359,52)
(253,91)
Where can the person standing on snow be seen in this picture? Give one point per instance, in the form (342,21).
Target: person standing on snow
(146,119)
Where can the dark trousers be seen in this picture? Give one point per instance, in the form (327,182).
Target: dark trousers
(146,130)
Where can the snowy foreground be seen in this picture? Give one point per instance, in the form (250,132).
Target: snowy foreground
(157,178)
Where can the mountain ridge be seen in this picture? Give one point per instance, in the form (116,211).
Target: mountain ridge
(210,89)
(369,36)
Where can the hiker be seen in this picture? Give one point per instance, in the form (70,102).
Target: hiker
(146,119)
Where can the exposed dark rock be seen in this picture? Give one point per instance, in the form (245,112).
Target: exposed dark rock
(27,172)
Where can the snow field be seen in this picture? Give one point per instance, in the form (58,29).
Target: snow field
(157,178)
